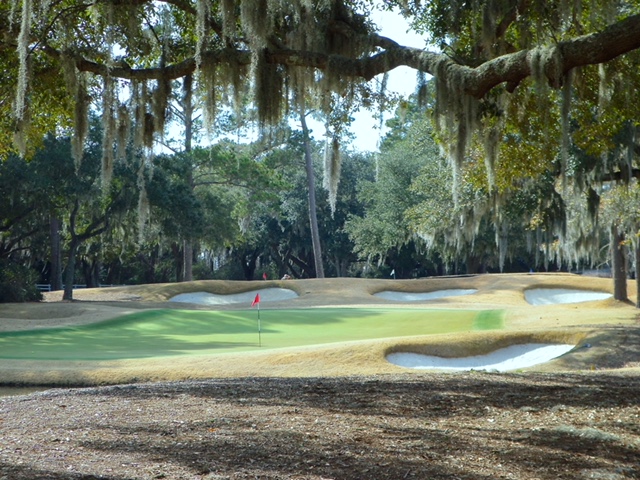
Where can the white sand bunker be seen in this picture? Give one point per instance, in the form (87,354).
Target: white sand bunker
(552,296)
(205,298)
(505,359)
(418,297)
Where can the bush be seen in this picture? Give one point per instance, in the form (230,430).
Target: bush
(18,283)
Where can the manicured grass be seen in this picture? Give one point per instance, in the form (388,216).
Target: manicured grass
(158,333)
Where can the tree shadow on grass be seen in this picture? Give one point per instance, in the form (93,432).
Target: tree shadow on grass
(159,333)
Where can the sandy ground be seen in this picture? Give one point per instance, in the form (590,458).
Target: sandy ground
(261,295)
(610,327)
(514,357)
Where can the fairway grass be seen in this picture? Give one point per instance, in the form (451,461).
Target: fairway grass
(169,332)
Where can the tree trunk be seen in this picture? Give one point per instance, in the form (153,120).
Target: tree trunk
(178,258)
(188,139)
(56,254)
(311,185)
(91,271)
(71,270)
(188,261)
(637,252)
(472,264)
(618,265)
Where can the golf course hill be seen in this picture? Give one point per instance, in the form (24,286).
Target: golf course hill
(319,328)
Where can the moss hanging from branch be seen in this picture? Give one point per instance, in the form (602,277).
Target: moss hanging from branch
(537,59)
(233,76)
(123,127)
(502,236)
(456,118)
(24,38)
(257,21)
(21,132)
(566,130)
(422,88)
(268,89)
(109,130)
(76,83)
(208,82)
(144,207)
(203,14)
(160,104)
(332,167)
(492,129)
(80,118)
(229,19)
(605,89)
(144,123)
(15,4)
(492,136)
(138,113)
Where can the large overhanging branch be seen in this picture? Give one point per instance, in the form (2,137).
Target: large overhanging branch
(596,48)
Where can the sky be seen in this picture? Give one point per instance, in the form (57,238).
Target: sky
(401,80)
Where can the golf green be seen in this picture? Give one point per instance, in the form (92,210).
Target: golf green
(159,333)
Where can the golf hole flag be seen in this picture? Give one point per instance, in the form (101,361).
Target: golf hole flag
(256,301)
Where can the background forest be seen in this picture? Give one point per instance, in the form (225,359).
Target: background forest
(129,151)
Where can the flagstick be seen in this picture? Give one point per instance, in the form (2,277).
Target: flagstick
(259,329)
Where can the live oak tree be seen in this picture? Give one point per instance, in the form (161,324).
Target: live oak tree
(494,61)
(322,47)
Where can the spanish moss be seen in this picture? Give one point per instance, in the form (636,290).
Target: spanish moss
(143,211)
(123,128)
(566,108)
(80,118)
(268,89)
(257,21)
(332,167)
(160,104)
(21,132)
(605,89)
(202,28)
(12,13)
(23,57)
(228,11)
(456,119)
(109,125)
(208,81)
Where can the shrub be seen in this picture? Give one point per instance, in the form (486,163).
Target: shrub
(18,283)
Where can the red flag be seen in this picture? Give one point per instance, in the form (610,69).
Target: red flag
(256,300)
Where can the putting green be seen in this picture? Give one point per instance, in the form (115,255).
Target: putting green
(159,333)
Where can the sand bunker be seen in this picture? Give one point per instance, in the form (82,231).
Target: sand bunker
(205,298)
(418,297)
(552,296)
(505,359)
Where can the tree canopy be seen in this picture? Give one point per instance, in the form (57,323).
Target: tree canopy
(533,102)
(125,55)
